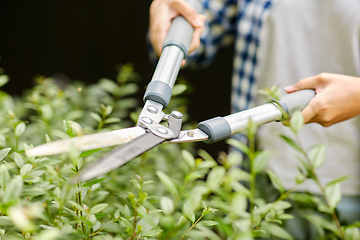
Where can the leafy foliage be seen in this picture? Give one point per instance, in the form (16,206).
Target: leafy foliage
(170,192)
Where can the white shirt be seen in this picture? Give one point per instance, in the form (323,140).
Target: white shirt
(299,39)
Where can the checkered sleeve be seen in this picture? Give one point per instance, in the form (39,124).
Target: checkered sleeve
(219,30)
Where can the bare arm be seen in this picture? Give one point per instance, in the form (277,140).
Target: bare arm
(337,99)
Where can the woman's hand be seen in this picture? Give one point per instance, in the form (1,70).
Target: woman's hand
(161,14)
(337,98)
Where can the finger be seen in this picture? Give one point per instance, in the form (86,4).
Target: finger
(306,83)
(308,114)
(195,41)
(189,13)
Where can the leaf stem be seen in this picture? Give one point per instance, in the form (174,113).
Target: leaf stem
(322,189)
(192,226)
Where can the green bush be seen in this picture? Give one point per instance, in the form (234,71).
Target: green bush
(166,193)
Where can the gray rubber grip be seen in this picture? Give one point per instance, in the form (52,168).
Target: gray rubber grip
(158,91)
(296,100)
(181,31)
(216,128)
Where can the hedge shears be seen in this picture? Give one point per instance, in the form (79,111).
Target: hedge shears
(149,131)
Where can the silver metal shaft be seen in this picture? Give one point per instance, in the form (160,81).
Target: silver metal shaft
(260,115)
(169,65)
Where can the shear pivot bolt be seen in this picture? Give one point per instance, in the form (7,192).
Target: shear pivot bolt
(176,114)
(190,133)
(146,120)
(152,109)
(162,130)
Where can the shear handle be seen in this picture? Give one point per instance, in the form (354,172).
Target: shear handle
(220,128)
(176,47)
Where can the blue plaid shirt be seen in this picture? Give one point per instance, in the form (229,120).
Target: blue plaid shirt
(229,21)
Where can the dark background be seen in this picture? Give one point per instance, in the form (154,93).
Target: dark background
(87,39)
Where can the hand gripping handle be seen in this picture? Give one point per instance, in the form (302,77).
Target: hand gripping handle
(220,128)
(296,100)
(176,47)
(181,31)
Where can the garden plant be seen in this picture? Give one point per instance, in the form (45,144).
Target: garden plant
(170,192)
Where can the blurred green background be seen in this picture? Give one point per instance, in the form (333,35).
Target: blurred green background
(86,40)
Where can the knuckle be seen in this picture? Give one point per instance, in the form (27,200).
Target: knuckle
(323,76)
(326,123)
(156,25)
(179,5)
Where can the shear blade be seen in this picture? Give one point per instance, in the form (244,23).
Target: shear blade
(87,142)
(120,156)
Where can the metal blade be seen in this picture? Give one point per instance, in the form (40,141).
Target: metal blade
(120,156)
(88,142)
(194,135)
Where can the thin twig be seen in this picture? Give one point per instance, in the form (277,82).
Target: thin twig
(322,189)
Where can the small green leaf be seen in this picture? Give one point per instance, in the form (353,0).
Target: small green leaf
(4,79)
(285,216)
(192,217)
(238,204)
(206,164)
(215,177)
(276,181)
(317,155)
(112,120)
(20,129)
(181,220)
(207,223)
(167,205)
(296,121)
(107,85)
(95,116)
(260,161)
(48,234)
(352,233)
(206,156)
(108,110)
(89,152)
(98,208)
(5,221)
(188,157)
(93,182)
(338,180)
(47,138)
(4,152)
(321,221)
(152,233)
(275,92)
(46,112)
(281,205)
(168,183)
(68,128)
(130,88)
(25,169)
(239,145)
(19,160)
(234,158)
(76,205)
(276,230)
(333,194)
(178,89)
(291,143)
(112,227)
(13,190)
